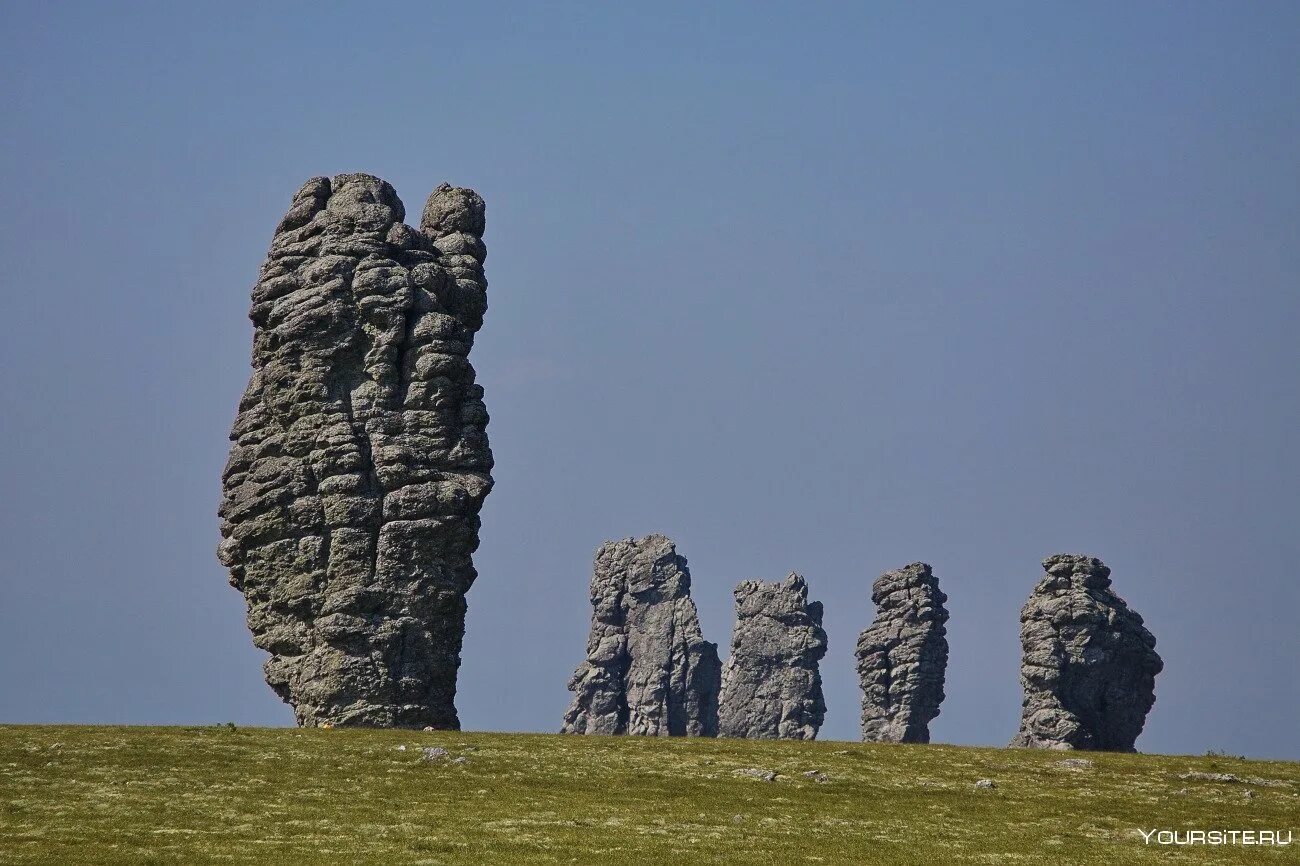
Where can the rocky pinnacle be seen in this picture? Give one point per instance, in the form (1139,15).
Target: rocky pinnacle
(1089,665)
(771,685)
(360,460)
(902,656)
(648,669)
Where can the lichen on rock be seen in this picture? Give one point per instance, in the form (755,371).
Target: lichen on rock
(360,460)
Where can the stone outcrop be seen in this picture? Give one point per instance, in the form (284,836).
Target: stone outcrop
(360,458)
(771,685)
(648,670)
(1089,664)
(902,656)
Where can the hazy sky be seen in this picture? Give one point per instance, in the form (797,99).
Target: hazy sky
(830,288)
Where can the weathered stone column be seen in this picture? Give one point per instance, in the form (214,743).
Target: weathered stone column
(648,669)
(902,656)
(360,459)
(771,685)
(1089,664)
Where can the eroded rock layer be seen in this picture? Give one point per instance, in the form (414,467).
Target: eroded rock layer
(902,656)
(1089,664)
(648,669)
(772,685)
(360,458)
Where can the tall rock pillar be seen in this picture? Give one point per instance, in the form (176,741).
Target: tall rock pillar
(648,669)
(902,656)
(360,460)
(1089,664)
(772,685)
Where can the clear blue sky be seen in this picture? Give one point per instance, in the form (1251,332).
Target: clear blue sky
(819,287)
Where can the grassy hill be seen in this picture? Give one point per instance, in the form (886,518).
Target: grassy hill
(205,795)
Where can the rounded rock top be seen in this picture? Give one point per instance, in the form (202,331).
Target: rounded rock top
(451,209)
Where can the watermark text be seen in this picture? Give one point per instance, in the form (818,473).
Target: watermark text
(1216,837)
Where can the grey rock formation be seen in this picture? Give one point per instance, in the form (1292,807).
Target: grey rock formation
(649,669)
(771,685)
(902,656)
(1089,665)
(360,459)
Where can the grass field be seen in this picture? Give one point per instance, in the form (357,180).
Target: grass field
(283,796)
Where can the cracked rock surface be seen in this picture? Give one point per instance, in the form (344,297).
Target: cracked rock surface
(772,686)
(648,669)
(903,655)
(1089,664)
(360,459)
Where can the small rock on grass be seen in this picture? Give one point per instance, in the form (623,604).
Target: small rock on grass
(1230,777)
(754,772)
(1076,764)
(816,775)
(433,753)
(1211,777)
(985,783)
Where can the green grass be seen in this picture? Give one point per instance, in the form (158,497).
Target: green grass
(213,795)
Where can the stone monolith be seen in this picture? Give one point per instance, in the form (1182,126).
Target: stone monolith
(771,685)
(360,459)
(1089,664)
(902,656)
(648,669)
